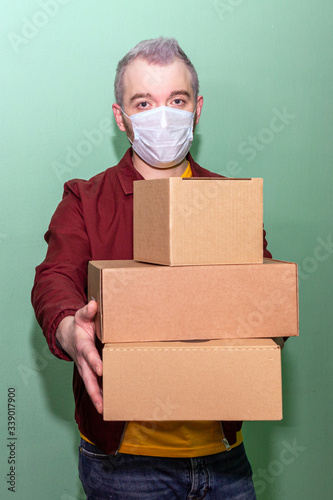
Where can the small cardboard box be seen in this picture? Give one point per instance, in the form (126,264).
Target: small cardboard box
(208,380)
(180,221)
(145,302)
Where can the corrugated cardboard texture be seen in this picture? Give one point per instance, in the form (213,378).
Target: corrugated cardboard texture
(146,302)
(198,221)
(212,380)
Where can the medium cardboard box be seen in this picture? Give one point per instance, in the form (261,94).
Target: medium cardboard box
(179,221)
(146,302)
(209,380)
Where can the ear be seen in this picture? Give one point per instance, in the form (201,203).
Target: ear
(118,117)
(199,107)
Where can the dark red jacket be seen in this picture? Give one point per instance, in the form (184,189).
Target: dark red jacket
(94,221)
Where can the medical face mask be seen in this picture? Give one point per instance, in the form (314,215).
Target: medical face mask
(162,135)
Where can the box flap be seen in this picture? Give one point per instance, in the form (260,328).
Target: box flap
(216,178)
(197,344)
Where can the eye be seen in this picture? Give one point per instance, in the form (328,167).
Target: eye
(143,105)
(178,102)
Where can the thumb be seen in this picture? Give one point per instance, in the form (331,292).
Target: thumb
(89,311)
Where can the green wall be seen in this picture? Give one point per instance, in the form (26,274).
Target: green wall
(257,60)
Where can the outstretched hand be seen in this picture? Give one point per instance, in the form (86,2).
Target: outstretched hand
(76,335)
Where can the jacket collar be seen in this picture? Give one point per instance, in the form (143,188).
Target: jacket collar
(127,173)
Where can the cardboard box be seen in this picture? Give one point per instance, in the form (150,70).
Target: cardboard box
(209,380)
(146,302)
(179,221)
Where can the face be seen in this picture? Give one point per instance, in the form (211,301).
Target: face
(147,86)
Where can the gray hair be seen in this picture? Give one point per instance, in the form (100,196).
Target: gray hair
(161,51)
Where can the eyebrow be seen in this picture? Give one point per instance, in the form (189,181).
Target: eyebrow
(139,96)
(180,92)
(143,95)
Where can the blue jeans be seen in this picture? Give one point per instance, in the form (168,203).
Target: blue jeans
(223,476)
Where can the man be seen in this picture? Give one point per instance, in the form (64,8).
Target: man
(158,107)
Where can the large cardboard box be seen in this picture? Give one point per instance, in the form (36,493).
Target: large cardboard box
(146,302)
(179,221)
(208,380)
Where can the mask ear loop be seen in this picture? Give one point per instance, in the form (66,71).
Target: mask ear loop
(123,112)
(131,121)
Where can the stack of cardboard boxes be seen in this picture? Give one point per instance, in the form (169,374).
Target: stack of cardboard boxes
(188,324)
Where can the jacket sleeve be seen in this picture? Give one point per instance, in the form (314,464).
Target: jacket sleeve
(60,283)
(267,253)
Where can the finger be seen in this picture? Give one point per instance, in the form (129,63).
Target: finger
(92,308)
(94,391)
(87,313)
(87,350)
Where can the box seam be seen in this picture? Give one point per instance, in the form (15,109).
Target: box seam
(163,349)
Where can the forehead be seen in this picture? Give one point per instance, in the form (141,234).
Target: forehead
(142,77)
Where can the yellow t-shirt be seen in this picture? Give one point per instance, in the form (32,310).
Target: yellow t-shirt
(175,439)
